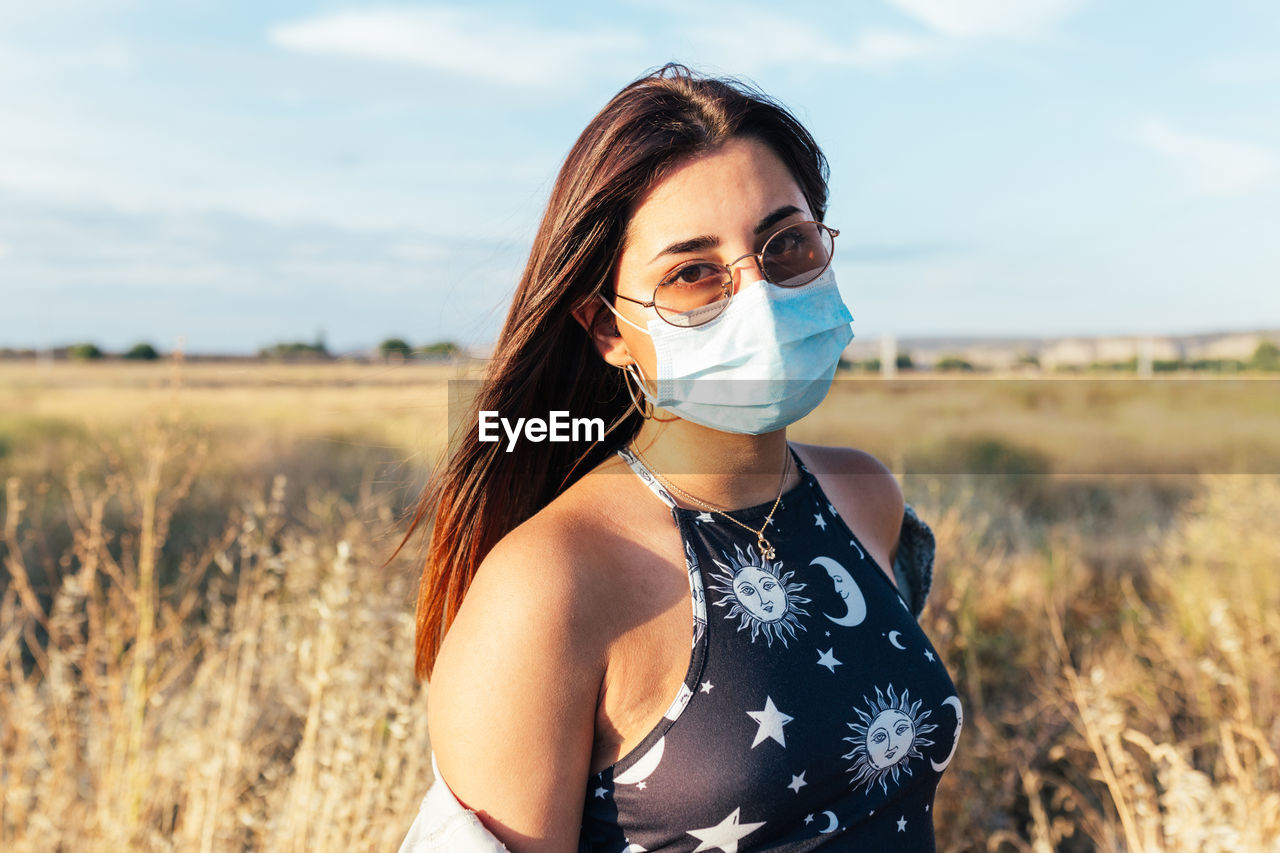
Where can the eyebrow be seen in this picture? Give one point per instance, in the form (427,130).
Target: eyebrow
(707,241)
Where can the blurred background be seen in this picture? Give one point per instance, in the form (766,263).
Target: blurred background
(250,251)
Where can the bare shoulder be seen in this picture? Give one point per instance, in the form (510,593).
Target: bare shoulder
(513,693)
(863,490)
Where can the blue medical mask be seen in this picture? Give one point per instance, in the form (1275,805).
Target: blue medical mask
(765,362)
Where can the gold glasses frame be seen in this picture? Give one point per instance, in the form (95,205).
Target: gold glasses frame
(731,274)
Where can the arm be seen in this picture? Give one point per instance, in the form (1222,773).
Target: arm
(511,710)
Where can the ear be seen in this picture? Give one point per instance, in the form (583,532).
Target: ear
(602,327)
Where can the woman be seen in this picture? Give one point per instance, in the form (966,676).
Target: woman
(680,289)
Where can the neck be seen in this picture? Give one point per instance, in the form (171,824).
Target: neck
(722,468)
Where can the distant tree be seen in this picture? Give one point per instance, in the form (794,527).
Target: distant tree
(142,352)
(440,348)
(952,362)
(295,351)
(394,347)
(904,362)
(1029,358)
(84,352)
(1265,357)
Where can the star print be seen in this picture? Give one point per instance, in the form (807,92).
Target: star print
(704,516)
(600,792)
(832,510)
(808,818)
(706,686)
(725,835)
(820,521)
(771,721)
(828,659)
(642,785)
(768,522)
(902,824)
(828,633)
(797,782)
(926,808)
(929,655)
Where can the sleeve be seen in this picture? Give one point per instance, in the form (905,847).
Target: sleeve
(443,825)
(913,564)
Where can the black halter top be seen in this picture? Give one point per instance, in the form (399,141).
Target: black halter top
(815,713)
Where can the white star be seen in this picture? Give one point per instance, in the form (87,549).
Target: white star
(600,792)
(705,516)
(725,835)
(902,824)
(768,521)
(642,785)
(926,808)
(929,655)
(771,721)
(820,521)
(797,782)
(706,686)
(828,659)
(808,818)
(832,510)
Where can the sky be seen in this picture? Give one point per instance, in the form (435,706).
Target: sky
(233,174)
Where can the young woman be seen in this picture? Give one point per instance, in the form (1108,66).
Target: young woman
(692,634)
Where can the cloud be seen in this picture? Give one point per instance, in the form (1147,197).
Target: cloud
(989,19)
(466,42)
(1210,165)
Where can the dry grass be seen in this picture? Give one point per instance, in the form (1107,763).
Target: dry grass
(201,648)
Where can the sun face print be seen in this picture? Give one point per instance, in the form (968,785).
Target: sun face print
(758,596)
(888,734)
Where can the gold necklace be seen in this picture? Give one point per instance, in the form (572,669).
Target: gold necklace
(766,550)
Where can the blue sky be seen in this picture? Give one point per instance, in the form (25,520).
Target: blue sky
(237,173)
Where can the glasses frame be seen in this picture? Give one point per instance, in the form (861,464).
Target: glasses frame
(731,270)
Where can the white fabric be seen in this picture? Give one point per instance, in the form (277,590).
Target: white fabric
(444,825)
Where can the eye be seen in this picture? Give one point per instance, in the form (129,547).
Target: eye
(695,274)
(793,241)
(879,736)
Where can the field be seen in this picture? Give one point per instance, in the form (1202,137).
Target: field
(205,644)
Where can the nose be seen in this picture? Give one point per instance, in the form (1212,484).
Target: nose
(747,271)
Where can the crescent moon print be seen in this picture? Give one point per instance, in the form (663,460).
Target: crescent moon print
(886,737)
(759,596)
(833,822)
(895,642)
(847,589)
(643,768)
(954,702)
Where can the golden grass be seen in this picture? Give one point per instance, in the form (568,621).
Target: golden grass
(201,647)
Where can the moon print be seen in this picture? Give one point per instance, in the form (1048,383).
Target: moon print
(759,595)
(893,638)
(643,768)
(889,733)
(954,702)
(831,827)
(847,589)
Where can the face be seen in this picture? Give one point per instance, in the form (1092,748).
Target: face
(760,594)
(716,207)
(889,737)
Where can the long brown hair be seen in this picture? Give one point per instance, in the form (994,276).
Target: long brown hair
(543,360)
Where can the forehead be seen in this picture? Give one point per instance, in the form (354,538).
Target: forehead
(718,193)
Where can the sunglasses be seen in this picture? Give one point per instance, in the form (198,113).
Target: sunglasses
(698,291)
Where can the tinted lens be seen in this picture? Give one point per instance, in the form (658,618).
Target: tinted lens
(798,254)
(692,294)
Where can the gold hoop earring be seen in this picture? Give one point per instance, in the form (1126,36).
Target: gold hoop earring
(641,404)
